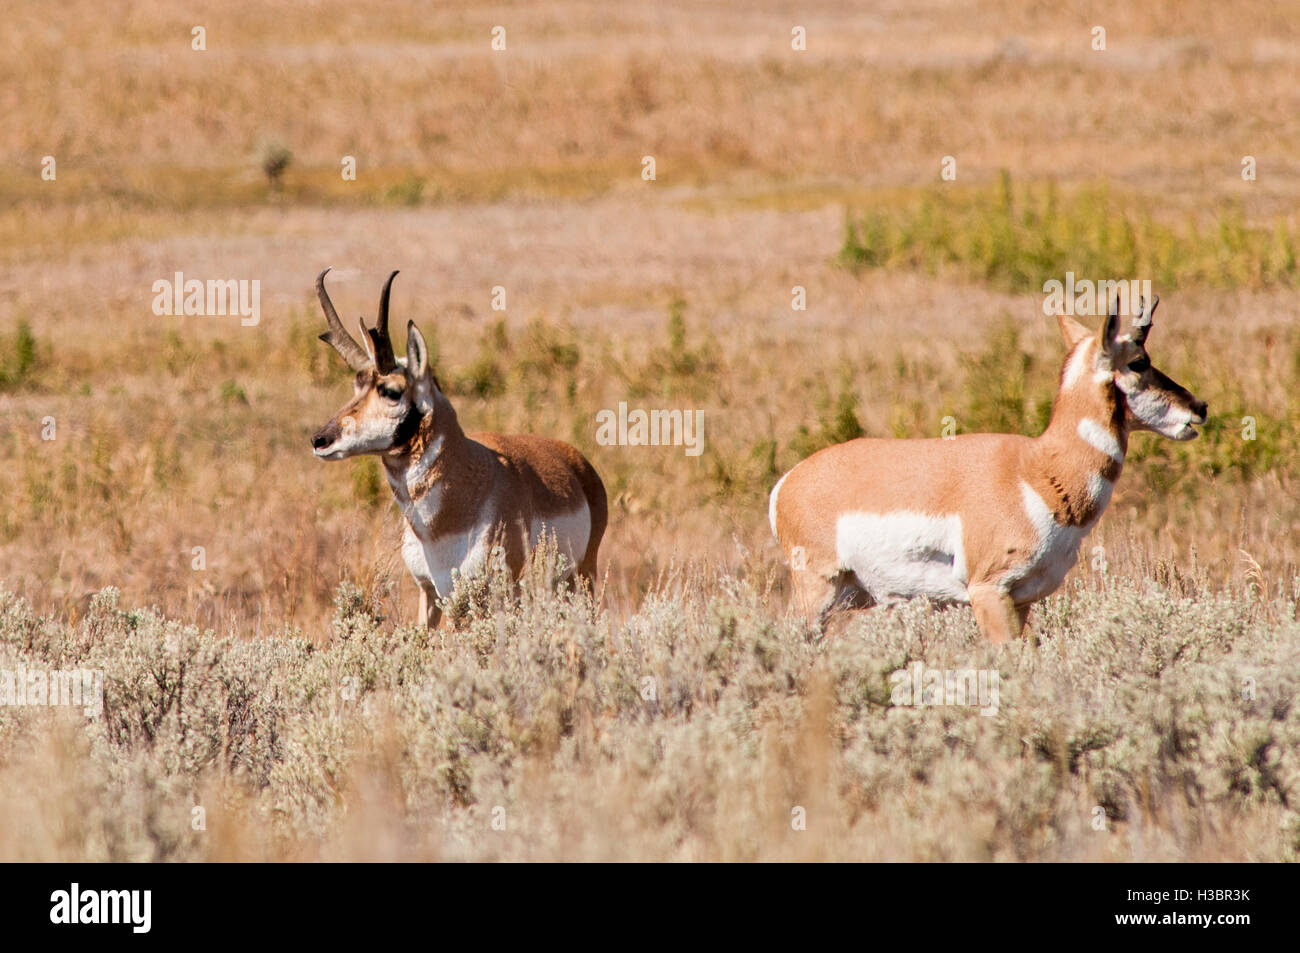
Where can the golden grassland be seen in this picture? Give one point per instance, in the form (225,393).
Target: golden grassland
(167,440)
(523,169)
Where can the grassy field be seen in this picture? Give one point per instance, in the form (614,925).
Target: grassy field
(167,459)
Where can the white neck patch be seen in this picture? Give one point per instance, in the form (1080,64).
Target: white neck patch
(1099,438)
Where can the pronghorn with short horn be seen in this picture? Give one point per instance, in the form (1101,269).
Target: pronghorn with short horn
(463,494)
(990,520)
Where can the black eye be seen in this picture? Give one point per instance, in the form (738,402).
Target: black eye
(1140,365)
(389,393)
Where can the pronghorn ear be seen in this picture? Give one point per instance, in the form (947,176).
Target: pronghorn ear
(417,352)
(1071,330)
(1111,345)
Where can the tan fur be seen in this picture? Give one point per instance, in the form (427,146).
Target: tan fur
(467,498)
(978,479)
(523,476)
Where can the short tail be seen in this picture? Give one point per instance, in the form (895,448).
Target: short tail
(771,506)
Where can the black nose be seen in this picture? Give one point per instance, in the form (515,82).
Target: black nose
(320,441)
(1201,409)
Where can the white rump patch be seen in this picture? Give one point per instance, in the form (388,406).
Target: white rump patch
(903,555)
(1099,438)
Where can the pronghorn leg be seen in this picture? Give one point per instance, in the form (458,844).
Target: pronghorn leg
(997,616)
(814,595)
(849,597)
(821,599)
(1027,630)
(584,579)
(429,610)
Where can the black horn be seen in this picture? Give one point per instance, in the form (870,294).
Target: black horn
(336,337)
(385,362)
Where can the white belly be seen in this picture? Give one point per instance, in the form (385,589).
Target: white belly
(904,555)
(437,562)
(416,562)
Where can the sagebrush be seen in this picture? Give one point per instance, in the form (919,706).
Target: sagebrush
(1148,724)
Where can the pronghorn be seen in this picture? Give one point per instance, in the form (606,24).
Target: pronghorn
(990,520)
(462,494)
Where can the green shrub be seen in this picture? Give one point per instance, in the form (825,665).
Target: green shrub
(1019,238)
(18,361)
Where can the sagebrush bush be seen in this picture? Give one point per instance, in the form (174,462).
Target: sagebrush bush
(701,727)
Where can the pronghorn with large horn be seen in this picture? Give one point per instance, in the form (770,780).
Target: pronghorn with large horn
(463,494)
(990,520)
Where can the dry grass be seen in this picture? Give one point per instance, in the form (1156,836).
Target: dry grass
(199,439)
(478,169)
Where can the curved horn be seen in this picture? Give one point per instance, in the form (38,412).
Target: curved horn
(384,359)
(337,337)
